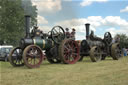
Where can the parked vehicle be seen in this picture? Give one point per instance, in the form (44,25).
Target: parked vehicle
(4,52)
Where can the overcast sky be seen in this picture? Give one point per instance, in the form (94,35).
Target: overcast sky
(103,15)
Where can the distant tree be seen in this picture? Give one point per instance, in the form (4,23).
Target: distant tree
(12,20)
(123,40)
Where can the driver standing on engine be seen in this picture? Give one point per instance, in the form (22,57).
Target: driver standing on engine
(67,33)
(94,37)
(35,31)
(73,34)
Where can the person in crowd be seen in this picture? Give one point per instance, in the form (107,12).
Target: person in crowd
(116,39)
(125,51)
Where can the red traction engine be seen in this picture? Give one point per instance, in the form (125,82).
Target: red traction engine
(98,48)
(54,44)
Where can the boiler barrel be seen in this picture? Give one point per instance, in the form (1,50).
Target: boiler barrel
(43,43)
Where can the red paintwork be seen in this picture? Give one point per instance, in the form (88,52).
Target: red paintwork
(69,52)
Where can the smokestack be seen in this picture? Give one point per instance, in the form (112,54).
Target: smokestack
(27,26)
(87,30)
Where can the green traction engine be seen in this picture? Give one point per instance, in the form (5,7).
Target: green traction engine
(36,46)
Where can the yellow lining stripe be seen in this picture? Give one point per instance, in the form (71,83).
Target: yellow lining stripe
(43,43)
(34,41)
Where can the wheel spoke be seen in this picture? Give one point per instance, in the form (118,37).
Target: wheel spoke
(55,31)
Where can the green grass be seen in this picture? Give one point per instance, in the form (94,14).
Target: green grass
(108,72)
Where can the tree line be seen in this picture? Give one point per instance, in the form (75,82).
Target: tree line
(123,40)
(12,14)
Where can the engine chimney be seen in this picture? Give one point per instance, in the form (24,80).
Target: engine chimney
(87,30)
(27,26)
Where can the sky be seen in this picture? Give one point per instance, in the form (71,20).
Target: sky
(103,16)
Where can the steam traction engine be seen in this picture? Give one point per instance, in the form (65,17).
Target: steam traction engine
(32,47)
(98,48)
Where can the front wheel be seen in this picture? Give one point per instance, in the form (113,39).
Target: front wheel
(15,57)
(95,54)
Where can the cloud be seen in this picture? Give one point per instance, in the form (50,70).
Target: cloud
(47,6)
(114,21)
(45,29)
(113,24)
(86,3)
(41,20)
(124,10)
(95,21)
(89,2)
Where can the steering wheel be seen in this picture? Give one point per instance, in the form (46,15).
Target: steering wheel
(107,38)
(57,34)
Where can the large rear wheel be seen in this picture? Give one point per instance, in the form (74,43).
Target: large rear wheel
(116,51)
(69,51)
(33,56)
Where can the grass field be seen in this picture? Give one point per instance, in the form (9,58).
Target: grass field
(108,72)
